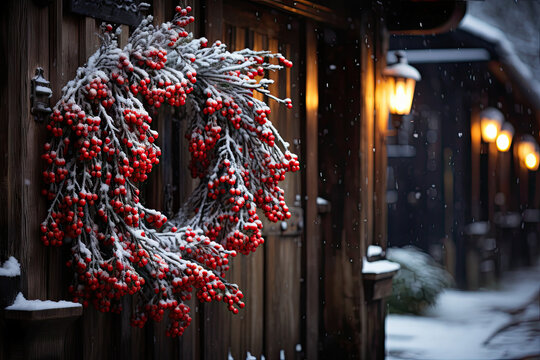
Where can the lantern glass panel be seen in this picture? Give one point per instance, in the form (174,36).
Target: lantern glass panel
(490,129)
(504,140)
(400,95)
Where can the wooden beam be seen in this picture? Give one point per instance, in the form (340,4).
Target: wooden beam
(310,10)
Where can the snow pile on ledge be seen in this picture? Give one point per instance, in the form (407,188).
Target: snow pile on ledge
(374,250)
(379,267)
(32,305)
(11,268)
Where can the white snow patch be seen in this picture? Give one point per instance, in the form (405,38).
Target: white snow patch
(379,266)
(10,268)
(477,228)
(462,324)
(321,201)
(32,305)
(506,52)
(374,250)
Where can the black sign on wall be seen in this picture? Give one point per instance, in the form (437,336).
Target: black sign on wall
(129,12)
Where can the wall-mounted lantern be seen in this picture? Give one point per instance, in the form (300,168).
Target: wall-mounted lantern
(41,93)
(504,139)
(401,79)
(528,152)
(491,121)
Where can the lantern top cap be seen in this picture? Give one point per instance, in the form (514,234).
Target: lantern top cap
(492,114)
(507,127)
(528,139)
(401,68)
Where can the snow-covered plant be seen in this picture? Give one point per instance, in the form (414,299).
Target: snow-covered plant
(102,147)
(418,282)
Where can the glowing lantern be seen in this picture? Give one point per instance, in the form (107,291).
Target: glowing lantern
(491,121)
(400,81)
(504,139)
(529,153)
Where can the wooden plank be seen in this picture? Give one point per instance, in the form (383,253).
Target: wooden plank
(34,259)
(341,179)
(213,19)
(492,179)
(16,110)
(367,160)
(475,164)
(312,229)
(375,311)
(381,161)
(5,24)
(282,297)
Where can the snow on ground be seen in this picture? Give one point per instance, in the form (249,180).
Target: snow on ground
(503,323)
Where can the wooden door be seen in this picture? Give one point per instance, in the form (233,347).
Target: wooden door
(271,277)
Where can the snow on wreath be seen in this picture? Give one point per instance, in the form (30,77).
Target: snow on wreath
(101,148)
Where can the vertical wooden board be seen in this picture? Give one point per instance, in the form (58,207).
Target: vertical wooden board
(16,106)
(282,296)
(4,121)
(282,255)
(88,38)
(381,121)
(312,240)
(367,160)
(32,136)
(492,179)
(213,20)
(190,341)
(342,183)
(475,164)
(96,334)
(254,298)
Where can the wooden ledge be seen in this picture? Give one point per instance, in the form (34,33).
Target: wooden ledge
(377,280)
(43,314)
(380,276)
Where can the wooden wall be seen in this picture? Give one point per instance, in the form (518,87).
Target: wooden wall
(304,291)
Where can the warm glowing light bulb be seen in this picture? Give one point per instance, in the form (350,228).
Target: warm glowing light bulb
(491,121)
(531,161)
(490,132)
(503,142)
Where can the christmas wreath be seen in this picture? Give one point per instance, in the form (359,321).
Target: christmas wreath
(102,147)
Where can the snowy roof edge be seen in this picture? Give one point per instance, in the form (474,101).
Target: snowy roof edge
(517,68)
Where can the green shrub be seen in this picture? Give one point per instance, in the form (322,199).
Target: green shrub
(418,282)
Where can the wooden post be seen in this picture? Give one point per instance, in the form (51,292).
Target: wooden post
(492,179)
(476,141)
(312,243)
